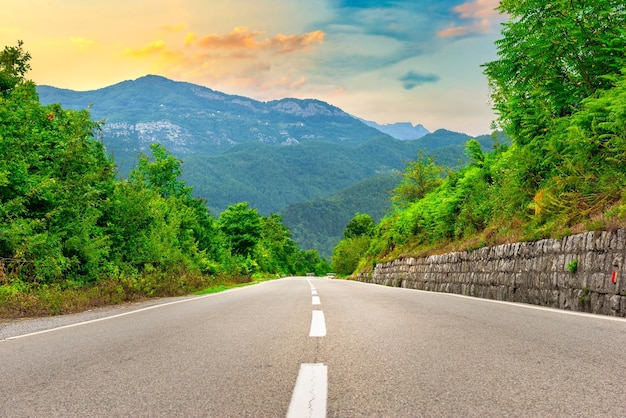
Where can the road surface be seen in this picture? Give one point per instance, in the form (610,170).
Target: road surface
(300,347)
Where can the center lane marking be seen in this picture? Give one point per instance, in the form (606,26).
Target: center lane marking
(311,391)
(318,324)
(310,395)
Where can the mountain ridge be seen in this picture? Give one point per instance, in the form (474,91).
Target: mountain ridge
(404,131)
(166,109)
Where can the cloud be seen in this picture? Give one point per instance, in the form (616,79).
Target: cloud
(150,49)
(244,39)
(413,79)
(474,17)
(242,59)
(80,42)
(396,30)
(478,9)
(239,38)
(291,43)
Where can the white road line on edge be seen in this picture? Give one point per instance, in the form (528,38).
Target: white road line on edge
(106,318)
(311,391)
(318,324)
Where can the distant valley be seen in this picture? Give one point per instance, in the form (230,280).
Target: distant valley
(286,156)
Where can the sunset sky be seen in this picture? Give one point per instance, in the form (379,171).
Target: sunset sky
(383,60)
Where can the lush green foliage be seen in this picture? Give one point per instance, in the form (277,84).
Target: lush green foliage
(13,66)
(419,178)
(67,221)
(357,236)
(552,56)
(361,225)
(271,177)
(560,90)
(319,223)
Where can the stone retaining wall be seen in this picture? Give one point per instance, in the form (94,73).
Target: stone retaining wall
(540,272)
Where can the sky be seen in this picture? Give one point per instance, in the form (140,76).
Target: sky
(387,61)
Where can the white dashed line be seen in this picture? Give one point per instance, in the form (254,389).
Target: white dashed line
(318,324)
(316,300)
(311,391)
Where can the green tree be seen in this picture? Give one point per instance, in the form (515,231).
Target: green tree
(309,261)
(419,178)
(347,254)
(55,184)
(275,251)
(14,64)
(242,227)
(553,55)
(361,224)
(162,173)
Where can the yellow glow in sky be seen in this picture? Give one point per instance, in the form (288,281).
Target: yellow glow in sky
(387,63)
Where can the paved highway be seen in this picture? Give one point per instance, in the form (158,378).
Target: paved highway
(301,347)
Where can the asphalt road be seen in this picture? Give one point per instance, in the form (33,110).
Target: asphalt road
(368,350)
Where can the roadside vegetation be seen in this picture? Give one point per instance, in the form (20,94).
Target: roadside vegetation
(559,90)
(73,235)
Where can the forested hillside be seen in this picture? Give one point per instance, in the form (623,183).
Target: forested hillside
(559,88)
(319,223)
(271,178)
(73,234)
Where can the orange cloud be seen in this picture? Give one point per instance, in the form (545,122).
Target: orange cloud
(242,38)
(150,49)
(238,38)
(286,44)
(480,13)
(478,9)
(239,59)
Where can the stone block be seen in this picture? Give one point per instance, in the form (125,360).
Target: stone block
(596,282)
(615,302)
(619,241)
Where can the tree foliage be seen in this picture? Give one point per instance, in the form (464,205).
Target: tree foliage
(354,245)
(552,56)
(361,224)
(242,227)
(419,177)
(14,64)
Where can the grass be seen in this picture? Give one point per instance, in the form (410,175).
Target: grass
(225,286)
(20,299)
(572,266)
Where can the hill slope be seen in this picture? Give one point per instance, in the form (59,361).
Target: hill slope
(319,223)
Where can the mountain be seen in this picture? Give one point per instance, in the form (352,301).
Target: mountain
(401,130)
(189,119)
